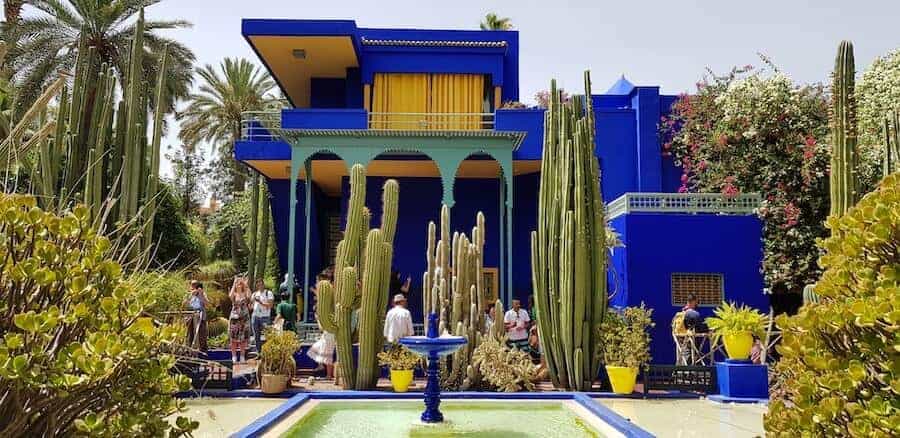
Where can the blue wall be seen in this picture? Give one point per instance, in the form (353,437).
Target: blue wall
(658,245)
(279,190)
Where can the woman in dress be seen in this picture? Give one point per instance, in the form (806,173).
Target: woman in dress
(322,351)
(239,320)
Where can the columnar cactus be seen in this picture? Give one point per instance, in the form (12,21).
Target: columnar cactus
(844,157)
(362,273)
(568,250)
(454,285)
(891,144)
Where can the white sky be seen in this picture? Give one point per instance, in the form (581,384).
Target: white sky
(665,43)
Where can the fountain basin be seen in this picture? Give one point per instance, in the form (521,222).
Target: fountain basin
(441,345)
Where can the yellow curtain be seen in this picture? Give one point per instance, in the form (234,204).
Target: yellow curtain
(431,94)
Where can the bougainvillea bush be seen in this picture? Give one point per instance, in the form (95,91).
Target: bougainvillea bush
(76,358)
(840,364)
(756,131)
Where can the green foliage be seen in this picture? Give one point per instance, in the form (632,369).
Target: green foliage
(174,244)
(841,356)
(216,327)
(277,355)
(507,369)
(75,355)
(569,247)
(165,291)
(878,95)
(729,318)
(752,132)
(221,272)
(219,341)
(625,338)
(399,358)
(493,21)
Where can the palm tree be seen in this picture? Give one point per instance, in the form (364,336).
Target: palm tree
(48,42)
(214,116)
(494,22)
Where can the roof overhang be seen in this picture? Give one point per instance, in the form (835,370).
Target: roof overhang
(295,51)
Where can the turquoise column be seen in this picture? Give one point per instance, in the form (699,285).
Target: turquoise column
(503,292)
(307,189)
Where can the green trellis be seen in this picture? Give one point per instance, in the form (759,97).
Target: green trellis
(448,149)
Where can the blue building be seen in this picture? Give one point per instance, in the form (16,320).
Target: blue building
(429,109)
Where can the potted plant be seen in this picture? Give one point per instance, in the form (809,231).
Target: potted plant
(276,360)
(736,327)
(626,345)
(402,362)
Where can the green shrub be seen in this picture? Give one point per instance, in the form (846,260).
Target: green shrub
(729,318)
(841,357)
(174,244)
(75,356)
(626,341)
(220,272)
(165,291)
(504,368)
(216,327)
(277,355)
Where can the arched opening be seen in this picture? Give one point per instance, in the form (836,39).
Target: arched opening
(480,185)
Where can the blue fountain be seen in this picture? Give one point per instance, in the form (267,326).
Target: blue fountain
(433,347)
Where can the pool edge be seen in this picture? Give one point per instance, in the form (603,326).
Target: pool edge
(621,424)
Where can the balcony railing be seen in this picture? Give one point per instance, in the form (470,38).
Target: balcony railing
(431,121)
(690,203)
(260,125)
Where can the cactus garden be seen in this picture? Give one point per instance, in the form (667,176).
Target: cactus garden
(215,226)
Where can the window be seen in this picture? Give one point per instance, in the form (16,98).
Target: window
(706,287)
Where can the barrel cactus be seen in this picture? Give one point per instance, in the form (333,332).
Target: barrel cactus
(568,250)
(361,282)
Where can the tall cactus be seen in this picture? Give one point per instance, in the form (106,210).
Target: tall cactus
(891,144)
(568,250)
(454,286)
(844,156)
(362,271)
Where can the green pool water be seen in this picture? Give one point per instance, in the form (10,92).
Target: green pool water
(373,419)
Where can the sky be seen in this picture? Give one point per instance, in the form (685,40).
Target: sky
(665,43)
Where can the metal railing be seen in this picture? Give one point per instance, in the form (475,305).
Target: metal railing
(431,121)
(260,125)
(309,332)
(691,203)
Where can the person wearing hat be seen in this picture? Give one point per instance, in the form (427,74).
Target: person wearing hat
(398,322)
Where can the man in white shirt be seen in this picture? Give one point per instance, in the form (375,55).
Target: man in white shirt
(262,300)
(516,321)
(398,322)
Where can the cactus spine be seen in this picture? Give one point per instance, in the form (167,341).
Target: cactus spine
(568,250)
(362,272)
(455,279)
(844,156)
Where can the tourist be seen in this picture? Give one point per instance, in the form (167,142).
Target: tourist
(263,300)
(397,286)
(516,322)
(398,322)
(287,311)
(239,319)
(322,351)
(196,322)
(489,317)
(692,319)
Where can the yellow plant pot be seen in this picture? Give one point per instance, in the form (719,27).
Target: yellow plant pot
(622,379)
(401,379)
(738,344)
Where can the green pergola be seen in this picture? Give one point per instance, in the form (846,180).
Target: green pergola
(448,149)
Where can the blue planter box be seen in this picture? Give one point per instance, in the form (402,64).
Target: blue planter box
(742,380)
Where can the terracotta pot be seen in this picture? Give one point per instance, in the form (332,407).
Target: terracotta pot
(272,383)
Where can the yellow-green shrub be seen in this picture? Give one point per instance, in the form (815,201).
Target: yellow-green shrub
(75,356)
(841,357)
